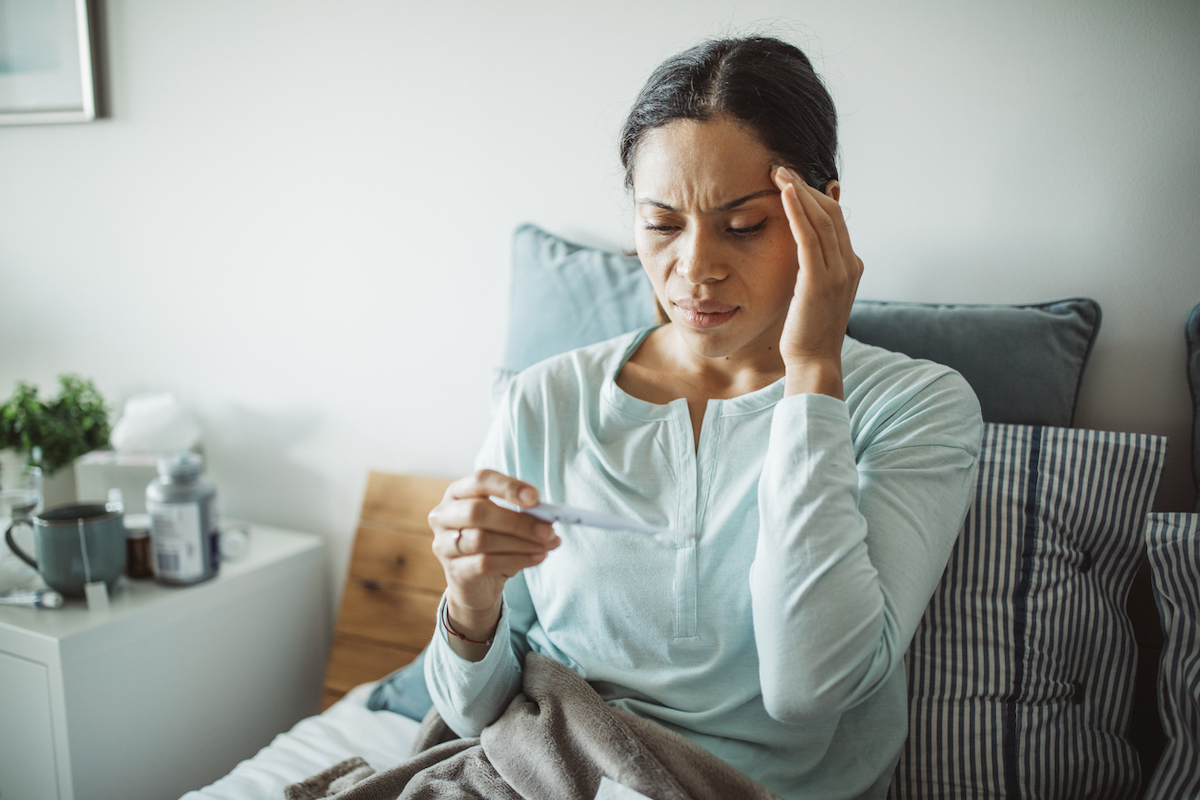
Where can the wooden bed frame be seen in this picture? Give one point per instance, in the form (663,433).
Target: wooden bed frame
(393,584)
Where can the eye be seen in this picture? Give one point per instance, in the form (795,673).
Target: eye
(747,232)
(663,229)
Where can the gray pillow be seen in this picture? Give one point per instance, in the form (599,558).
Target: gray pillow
(1192,333)
(1024,362)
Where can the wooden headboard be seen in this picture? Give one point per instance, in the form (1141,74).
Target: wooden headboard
(393,584)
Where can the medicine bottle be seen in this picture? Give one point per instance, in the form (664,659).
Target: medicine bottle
(139,555)
(137,537)
(181,503)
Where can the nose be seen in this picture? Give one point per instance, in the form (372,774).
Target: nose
(700,259)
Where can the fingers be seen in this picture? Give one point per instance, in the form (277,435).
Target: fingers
(480,541)
(852,263)
(481,544)
(468,523)
(802,230)
(823,228)
(482,514)
(481,566)
(820,229)
(487,482)
(826,285)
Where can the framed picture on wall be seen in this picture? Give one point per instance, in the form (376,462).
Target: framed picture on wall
(45,62)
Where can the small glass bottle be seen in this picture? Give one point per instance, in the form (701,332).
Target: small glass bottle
(137,537)
(181,503)
(139,555)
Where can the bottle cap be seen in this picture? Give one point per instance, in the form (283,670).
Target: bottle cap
(182,467)
(233,543)
(137,525)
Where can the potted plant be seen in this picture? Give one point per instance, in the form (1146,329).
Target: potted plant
(51,434)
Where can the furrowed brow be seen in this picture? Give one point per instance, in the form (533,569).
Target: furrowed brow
(646,201)
(732,204)
(735,203)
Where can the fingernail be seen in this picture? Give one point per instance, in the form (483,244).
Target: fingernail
(555,542)
(544,530)
(528,496)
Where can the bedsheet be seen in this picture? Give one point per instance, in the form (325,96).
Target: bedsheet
(347,728)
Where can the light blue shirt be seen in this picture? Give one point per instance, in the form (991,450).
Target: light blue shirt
(775,638)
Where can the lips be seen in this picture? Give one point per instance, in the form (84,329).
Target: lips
(704,313)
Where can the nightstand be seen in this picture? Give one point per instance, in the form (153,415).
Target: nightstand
(169,688)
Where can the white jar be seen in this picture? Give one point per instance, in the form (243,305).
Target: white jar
(182,506)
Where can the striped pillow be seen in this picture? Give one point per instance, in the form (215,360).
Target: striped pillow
(1021,672)
(1173,544)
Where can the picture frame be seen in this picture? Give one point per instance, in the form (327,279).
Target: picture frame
(46,67)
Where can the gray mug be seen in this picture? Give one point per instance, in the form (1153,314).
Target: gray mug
(57,535)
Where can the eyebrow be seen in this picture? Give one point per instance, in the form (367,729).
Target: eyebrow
(732,204)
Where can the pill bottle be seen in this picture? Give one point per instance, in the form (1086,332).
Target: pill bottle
(181,503)
(139,555)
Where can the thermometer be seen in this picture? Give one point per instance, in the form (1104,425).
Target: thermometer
(551,512)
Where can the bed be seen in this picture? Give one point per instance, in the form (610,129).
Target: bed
(345,729)
(386,617)
(1027,677)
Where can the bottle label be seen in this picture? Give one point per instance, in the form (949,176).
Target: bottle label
(179,552)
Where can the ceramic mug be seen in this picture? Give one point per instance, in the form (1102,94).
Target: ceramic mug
(62,562)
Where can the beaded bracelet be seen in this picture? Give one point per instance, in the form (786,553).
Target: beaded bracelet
(450,629)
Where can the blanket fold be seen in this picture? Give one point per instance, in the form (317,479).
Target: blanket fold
(329,782)
(555,741)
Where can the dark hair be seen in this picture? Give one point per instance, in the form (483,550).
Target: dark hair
(765,84)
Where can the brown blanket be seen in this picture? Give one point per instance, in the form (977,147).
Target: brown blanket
(554,742)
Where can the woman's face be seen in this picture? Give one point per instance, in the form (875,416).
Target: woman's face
(711,232)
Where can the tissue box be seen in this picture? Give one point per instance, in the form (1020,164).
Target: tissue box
(101,470)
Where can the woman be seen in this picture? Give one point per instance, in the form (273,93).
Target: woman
(825,480)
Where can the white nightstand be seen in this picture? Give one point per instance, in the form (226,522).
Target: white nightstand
(171,687)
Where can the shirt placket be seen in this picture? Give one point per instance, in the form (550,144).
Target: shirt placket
(685,547)
(693,494)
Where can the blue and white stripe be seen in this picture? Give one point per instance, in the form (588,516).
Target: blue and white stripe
(1021,673)
(1173,545)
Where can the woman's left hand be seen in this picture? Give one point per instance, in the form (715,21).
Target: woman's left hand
(811,344)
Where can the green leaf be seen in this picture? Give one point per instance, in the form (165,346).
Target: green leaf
(74,423)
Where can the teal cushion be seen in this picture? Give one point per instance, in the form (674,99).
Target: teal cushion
(404,691)
(1023,361)
(566,295)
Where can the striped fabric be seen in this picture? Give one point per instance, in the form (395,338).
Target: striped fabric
(1021,672)
(1173,544)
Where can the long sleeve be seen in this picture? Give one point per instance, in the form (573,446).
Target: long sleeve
(855,533)
(471,695)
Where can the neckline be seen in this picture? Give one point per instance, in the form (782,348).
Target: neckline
(759,399)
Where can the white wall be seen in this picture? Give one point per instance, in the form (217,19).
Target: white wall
(297,216)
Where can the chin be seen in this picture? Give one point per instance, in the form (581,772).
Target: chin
(709,343)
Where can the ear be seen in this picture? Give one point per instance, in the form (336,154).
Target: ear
(834,190)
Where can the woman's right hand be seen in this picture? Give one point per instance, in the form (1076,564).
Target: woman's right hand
(481,545)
